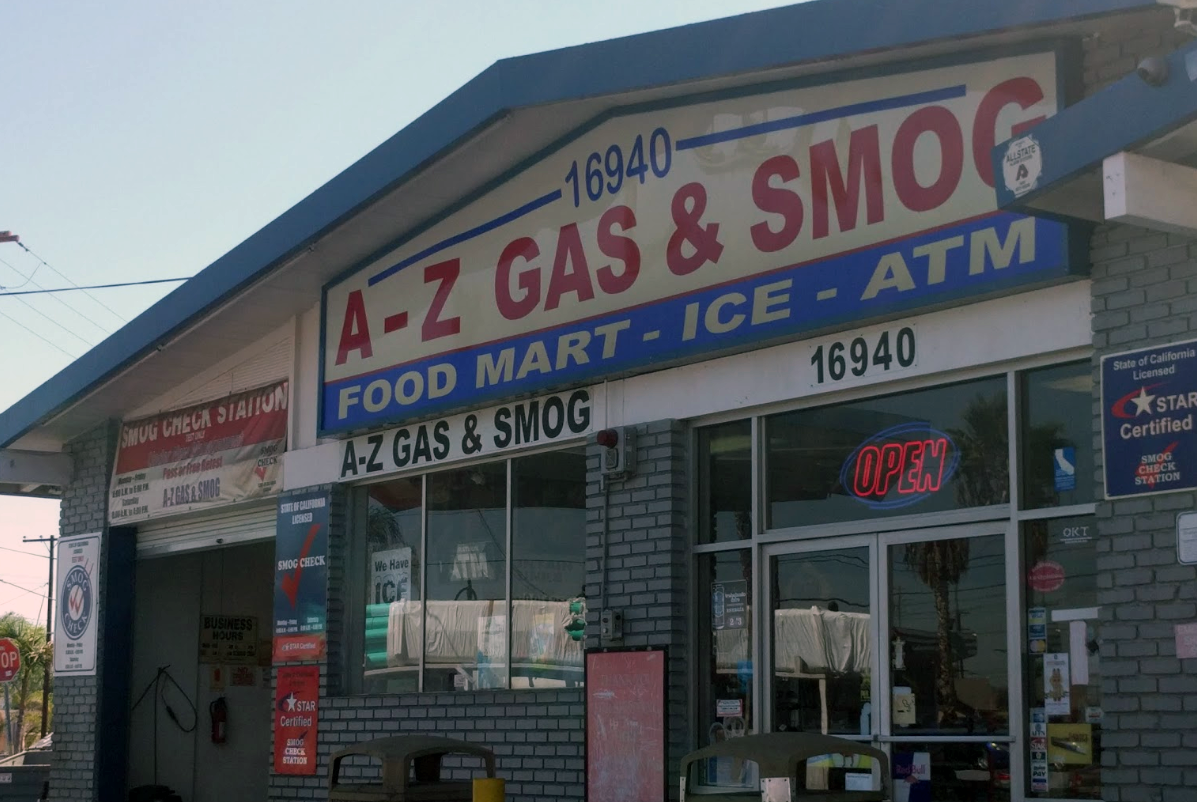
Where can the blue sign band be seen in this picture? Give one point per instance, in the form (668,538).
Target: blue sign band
(980,256)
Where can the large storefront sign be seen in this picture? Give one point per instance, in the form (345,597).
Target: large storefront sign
(523,424)
(200,457)
(1148,403)
(78,606)
(301,578)
(666,235)
(296,719)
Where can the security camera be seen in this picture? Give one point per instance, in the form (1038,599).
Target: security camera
(1153,70)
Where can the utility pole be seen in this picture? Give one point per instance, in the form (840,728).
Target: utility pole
(49,629)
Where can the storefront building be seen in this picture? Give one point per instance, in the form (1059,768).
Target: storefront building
(785,361)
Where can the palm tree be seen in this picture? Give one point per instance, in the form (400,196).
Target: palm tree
(36,653)
(982,479)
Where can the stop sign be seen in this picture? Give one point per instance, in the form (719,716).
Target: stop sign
(10,660)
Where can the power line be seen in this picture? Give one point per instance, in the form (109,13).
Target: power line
(103,330)
(18,587)
(88,343)
(99,286)
(85,292)
(40,337)
(18,551)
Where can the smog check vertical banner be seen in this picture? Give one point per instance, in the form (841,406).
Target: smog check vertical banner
(301,578)
(296,719)
(1148,404)
(78,610)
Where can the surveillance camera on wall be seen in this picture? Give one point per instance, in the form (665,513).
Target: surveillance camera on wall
(1153,71)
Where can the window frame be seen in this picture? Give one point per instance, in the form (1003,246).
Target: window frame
(357,554)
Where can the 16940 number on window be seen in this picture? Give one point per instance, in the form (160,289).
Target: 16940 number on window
(881,351)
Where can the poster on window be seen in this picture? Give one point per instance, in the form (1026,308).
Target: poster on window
(301,577)
(729,604)
(1038,749)
(1057,684)
(296,719)
(391,575)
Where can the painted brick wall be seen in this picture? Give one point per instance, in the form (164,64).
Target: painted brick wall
(84,509)
(647,572)
(1144,293)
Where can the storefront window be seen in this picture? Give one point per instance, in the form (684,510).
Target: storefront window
(449,610)
(1057,436)
(947,637)
(1061,658)
(725,482)
(949,772)
(548,567)
(933,450)
(393,570)
(465,629)
(725,657)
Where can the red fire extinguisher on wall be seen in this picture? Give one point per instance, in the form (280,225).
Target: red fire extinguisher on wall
(219,711)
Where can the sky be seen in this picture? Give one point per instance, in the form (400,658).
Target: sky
(143,140)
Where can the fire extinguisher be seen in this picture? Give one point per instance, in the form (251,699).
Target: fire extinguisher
(219,711)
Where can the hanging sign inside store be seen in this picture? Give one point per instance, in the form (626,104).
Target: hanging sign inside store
(296,719)
(1148,402)
(78,606)
(900,466)
(523,424)
(664,236)
(301,577)
(200,457)
(228,639)
(729,604)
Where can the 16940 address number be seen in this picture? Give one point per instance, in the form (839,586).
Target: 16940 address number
(881,352)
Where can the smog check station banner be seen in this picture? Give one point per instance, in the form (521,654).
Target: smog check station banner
(200,457)
(301,577)
(664,236)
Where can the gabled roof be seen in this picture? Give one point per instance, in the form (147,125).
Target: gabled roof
(545,92)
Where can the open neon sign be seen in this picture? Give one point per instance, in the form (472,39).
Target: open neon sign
(900,466)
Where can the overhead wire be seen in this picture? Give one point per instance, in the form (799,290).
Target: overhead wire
(99,286)
(26,553)
(85,292)
(40,337)
(18,587)
(78,337)
(78,312)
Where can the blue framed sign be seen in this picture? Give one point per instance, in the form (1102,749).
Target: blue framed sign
(1148,404)
(664,236)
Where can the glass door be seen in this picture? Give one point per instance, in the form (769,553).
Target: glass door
(900,639)
(822,637)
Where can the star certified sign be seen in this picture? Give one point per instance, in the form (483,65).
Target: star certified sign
(1149,400)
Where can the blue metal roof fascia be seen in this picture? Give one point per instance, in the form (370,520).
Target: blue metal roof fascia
(801,33)
(1125,114)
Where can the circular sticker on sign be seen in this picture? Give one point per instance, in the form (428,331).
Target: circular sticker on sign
(1046,576)
(76,602)
(1022,165)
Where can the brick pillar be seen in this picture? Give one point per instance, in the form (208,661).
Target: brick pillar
(646,572)
(85,767)
(1144,293)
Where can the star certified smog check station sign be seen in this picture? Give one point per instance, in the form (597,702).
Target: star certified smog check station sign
(665,236)
(1148,406)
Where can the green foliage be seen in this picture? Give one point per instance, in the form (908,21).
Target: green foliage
(37,653)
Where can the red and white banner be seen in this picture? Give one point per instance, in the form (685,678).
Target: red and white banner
(200,457)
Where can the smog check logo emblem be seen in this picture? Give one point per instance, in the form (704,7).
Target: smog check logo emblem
(76,608)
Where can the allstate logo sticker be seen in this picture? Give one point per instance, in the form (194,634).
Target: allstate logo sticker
(1022,165)
(76,608)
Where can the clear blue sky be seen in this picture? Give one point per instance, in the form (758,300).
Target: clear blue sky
(144,140)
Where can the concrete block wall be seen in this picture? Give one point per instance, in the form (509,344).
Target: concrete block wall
(647,574)
(1144,292)
(76,699)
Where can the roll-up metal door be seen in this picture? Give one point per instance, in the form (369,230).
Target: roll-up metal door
(241,523)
